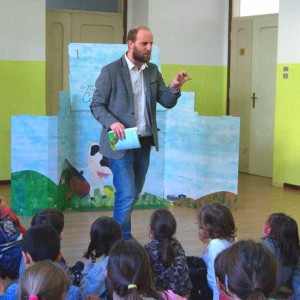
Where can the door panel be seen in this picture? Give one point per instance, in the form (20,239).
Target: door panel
(92,28)
(240,83)
(64,27)
(58,36)
(264,87)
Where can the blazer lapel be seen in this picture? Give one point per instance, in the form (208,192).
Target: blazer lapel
(126,76)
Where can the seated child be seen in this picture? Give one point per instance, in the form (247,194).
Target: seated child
(104,233)
(167,257)
(44,280)
(41,242)
(11,237)
(246,270)
(281,236)
(217,232)
(129,275)
(54,218)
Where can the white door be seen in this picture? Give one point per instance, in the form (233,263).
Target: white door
(253,90)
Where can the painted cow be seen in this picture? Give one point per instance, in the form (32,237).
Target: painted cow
(98,168)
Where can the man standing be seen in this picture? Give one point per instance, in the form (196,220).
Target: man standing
(126,94)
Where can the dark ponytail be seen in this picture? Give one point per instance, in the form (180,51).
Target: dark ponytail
(163,226)
(129,272)
(257,294)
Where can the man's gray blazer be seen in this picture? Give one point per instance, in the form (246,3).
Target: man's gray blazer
(113,100)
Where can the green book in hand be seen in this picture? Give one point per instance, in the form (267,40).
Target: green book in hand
(131,140)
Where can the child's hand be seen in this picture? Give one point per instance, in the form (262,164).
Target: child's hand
(91,259)
(86,260)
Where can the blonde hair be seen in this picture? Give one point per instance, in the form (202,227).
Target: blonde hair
(46,280)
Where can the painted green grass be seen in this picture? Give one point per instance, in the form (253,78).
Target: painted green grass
(32,191)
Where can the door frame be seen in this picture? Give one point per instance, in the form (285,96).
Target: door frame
(230,3)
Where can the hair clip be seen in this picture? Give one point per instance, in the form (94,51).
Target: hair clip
(33,297)
(226,282)
(132,286)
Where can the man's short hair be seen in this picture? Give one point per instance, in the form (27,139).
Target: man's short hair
(42,242)
(133,32)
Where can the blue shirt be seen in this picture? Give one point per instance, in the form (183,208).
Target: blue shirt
(93,278)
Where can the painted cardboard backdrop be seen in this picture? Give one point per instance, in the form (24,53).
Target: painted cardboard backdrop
(88,59)
(56,163)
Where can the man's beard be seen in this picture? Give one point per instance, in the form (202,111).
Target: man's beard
(139,57)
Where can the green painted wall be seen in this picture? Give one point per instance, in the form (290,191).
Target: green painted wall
(22,91)
(286,164)
(209,84)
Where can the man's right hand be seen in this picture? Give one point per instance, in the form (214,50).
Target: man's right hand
(118,129)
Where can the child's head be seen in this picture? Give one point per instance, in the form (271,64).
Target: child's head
(46,280)
(284,229)
(246,270)
(129,272)
(105,232)
(162,224)
(162,227)
(50,216)
(41,242)
(216,222)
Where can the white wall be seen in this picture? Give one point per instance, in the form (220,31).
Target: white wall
(289,32)
(137,13)
(190,32)
(22,30)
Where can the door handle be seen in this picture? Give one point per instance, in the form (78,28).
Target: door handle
(253,100)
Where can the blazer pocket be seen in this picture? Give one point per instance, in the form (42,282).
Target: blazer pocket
(153,79)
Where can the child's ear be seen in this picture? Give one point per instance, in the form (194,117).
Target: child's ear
(218,284)
(59,256)
(61,235)
(267,229)
(221,287)
(149,230)
(27,259)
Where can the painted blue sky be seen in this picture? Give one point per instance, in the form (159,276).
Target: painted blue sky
(86,62)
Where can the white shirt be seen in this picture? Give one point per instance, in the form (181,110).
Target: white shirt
(139,98)
(214,247)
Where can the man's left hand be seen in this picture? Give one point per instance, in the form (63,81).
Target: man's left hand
(179,80)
